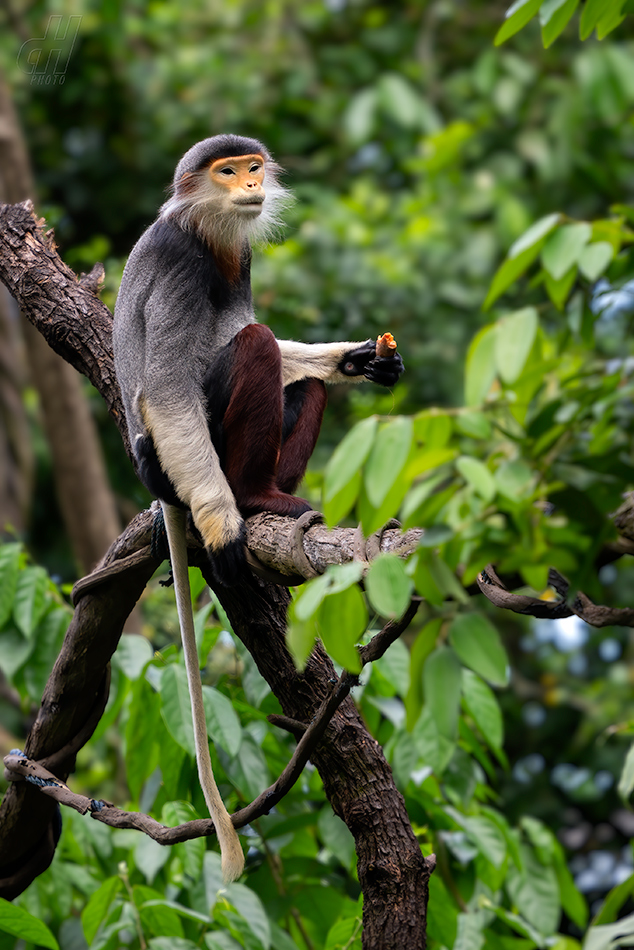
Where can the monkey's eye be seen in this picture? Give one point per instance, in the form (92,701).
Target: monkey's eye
(254,169)
(227,171)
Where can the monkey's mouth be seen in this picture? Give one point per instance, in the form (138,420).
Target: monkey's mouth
(251,201)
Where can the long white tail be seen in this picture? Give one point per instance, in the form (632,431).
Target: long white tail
(230,850)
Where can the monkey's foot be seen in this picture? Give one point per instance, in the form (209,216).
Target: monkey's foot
(229,564)
(159,547)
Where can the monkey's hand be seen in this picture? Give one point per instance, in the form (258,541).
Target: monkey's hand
(363,361)
(385,370)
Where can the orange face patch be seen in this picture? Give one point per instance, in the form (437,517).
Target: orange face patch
(242,173)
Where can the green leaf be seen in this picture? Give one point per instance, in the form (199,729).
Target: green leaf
(388,587)
(336,577)
(554,16)
(563,248)
(181,943)
(441,682)
(18,922)
(517,16)
(533,238)
(516,923)
(387,458)
(594,259)
(223,724)
(358,119)
(133,654)
(514,479)
(142,734)
(343,933)
(250,908)
(487,837)
(513,342)
(30,599)
(535,575)
(469,934)
(435,581)
(176,707)
(477,475)
(14,652)
(508,272)
(473,424)
(418,495)
(348,458)
(572,902)
(611,20)
(626,781)
(421,648)
(559,290)
(149,857)
(480,366)
(300,639)
(342,620)
(342,502)
(484,709)
(435,535)
(435,749)
(96,910)
(9,567)
(212,877)
(433,428)
(191,853)
(478,645)
(593,11)
(610,936)
(394,666)
(399,100)
(535,892)
(336,836)
(48,639)
(249,771)
(613,902)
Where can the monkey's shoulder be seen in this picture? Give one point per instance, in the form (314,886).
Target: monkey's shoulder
(165,249)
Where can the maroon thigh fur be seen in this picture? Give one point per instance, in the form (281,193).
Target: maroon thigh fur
(252,425)
(303,411)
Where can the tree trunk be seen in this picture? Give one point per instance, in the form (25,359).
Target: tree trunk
(16,454)
(86,501)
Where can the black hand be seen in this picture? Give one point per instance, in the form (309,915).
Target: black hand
(385,370)
(355,361)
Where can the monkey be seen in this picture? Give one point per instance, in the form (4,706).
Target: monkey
(222,416)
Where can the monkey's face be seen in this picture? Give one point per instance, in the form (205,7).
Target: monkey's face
(237,183)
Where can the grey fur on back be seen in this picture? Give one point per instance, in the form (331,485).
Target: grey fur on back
(168,328)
